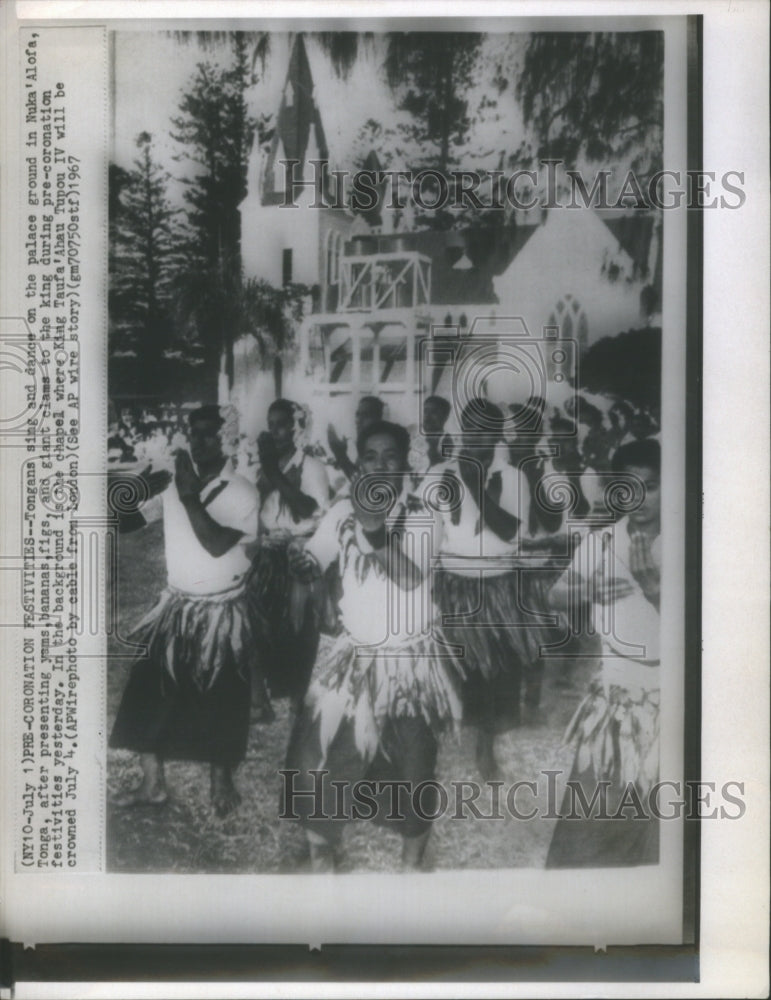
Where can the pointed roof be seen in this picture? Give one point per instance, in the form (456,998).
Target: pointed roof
(633,233)
(298,116)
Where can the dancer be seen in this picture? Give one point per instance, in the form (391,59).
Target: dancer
(387,686)
(616,727)
(294,493)
(433,448)
(485,599)
(188,698)
(369,410)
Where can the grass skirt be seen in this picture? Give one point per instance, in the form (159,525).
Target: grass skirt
(201,633)
(287,621)
(188,698)
(616,734)
(501,640)
(415,680)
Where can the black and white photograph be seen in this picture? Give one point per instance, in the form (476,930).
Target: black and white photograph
(385,351)
(383,523)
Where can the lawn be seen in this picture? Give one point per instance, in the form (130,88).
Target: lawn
(184,836)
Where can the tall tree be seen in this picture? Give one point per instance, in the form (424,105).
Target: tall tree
(597,100)
(595,95)
(215,131)
(430,74)
(143,226)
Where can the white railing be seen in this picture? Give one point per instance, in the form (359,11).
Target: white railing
(371,282)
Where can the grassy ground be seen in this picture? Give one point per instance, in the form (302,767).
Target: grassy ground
(184,836)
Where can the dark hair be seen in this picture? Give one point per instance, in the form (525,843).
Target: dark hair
(588,413)
(644,454)
(210,412)
(375,403)
(284,406)
(396,431)
(440,403)
(561,425)
(480,414)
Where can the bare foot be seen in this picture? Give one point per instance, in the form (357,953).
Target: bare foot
(151,791)
(224,795)
(486,762)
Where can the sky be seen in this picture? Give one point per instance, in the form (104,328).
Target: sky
(152,70)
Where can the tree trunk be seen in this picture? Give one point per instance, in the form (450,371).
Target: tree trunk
(278,376)
(230,363)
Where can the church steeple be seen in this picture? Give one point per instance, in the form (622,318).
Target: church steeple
(298,125)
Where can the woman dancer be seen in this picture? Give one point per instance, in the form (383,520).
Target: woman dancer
(294,493)
(388,685)
(616,727)
(485,599)
(188,697)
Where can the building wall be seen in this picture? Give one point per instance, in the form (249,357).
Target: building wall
(268,230)
(565,258)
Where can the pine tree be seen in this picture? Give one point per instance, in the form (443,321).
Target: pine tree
(143,225)
(215,132)
(430,72)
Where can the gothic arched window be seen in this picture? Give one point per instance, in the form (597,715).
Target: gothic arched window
(570,318)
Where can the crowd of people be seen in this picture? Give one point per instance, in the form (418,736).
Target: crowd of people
(438,566)
(147,434)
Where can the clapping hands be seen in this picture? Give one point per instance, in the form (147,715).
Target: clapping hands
(185,477)
(155,481)
(266,451)
(302,564)
(337,445)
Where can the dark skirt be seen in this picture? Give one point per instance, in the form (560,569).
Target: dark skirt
(500,641)
(287,615)
(188,698)
(616,734)
(407,752)
(592,841)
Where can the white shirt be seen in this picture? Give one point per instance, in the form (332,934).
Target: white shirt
(190,568)
(373,608)
(276,517)
(484,548)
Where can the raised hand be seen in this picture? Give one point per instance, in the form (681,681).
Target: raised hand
(337,445)
(185,477)
(266,451)
(302,564)
(157,481)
